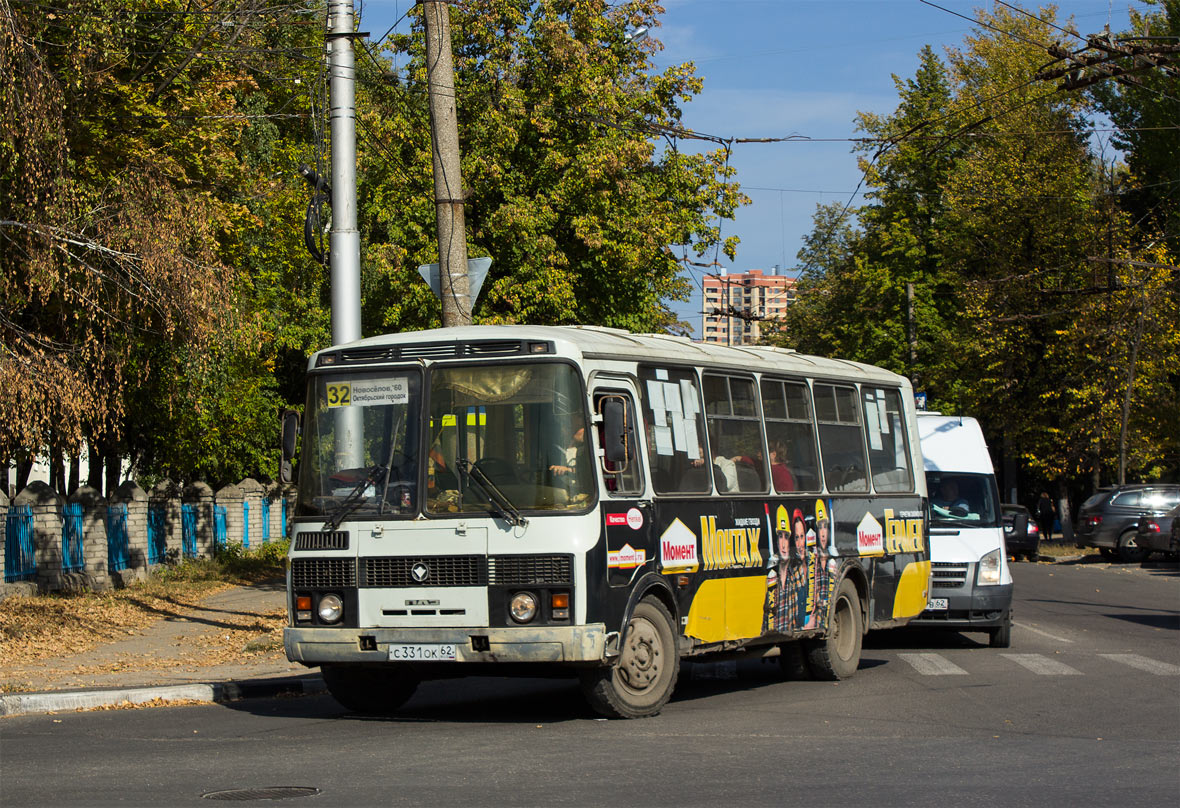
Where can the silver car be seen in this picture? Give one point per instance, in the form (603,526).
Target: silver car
(1109,520)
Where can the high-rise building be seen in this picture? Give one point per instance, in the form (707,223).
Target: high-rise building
(735,305)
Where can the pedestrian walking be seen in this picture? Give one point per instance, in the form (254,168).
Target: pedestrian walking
(1045,515)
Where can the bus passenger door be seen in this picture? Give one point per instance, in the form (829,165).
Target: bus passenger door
(627,512)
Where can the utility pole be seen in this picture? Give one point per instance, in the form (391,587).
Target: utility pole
(344,254)
(344,262)
(454,288)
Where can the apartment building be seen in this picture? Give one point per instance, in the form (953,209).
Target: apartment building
(754,294)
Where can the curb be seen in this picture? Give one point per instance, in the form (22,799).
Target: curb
(213,692)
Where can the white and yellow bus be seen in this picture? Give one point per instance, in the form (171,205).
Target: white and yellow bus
(588,501)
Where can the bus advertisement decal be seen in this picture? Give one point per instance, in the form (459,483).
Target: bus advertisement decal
(678,549)
(626,558)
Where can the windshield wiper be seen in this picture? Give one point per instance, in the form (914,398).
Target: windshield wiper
(494,496)
(354,498)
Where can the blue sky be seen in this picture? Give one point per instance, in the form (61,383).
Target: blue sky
(777,68)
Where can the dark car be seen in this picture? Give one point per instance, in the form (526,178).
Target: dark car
(1109,520)
(1027,545)
(1160,534)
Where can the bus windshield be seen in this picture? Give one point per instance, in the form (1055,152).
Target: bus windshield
(962,500)
(516,432)
(361,444)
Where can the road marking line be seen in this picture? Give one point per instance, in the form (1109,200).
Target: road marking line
(1043,633)
(1042,665)
(1145,664)
(933,665)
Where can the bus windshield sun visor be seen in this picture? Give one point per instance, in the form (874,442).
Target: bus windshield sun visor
(472,473)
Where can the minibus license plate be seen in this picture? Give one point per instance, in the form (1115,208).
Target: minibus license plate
(937,605)
(422,652)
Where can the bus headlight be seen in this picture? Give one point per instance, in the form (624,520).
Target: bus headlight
(331,608)
(523,607)
(989,568)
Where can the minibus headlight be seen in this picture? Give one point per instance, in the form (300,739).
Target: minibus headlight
(331,608)
(523,607)
(989,568)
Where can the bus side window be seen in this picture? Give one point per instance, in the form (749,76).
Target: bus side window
(841,440)
(673,428)
(622,477)
(735,436)
(790,431)
(888,451)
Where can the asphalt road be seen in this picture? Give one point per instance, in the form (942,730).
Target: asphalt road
(1084,709)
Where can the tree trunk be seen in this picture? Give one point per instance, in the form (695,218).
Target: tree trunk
(94,465)
(23,469)
(114,465)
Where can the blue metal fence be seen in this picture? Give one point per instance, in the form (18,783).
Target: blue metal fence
(188,527)
(20,562)
(157,536)
(219,526)
(265,513)
(283,529)
(118,551)
(245,523)
(71,537)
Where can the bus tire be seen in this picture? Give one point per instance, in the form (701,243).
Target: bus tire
(641,681)
(837,656)
(368,690)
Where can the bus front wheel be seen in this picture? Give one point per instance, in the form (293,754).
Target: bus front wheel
(640,683)
(368,690)
(837,655)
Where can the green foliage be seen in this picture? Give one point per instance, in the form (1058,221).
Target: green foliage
(564,186)
(1042,291)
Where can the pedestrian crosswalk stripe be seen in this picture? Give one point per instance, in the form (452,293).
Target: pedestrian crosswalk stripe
(933,665)
(1145,664)
(1042,665)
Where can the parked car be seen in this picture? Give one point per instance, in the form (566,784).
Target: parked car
(1160,534)
(1109,520)
(1027,545)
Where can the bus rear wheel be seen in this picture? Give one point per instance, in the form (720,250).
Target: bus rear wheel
(640,683)
(837,656)
(372,690)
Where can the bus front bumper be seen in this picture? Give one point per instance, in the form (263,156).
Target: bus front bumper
(516,644)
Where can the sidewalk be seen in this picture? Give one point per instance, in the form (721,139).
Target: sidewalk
(181,656)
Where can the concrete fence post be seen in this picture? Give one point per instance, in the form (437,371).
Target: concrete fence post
(252,492)
(200,496)
(46,505)
(94,572)
(135,500)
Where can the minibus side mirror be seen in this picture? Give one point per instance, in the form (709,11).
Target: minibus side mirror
(290,420)
(615,431)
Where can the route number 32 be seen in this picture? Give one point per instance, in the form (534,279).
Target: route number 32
(339,395)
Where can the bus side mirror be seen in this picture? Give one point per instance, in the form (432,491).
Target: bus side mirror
(290,433)
(615,431)
(1020,525)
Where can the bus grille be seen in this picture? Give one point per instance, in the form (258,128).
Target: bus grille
(336,540)
(322,573)
(437,350)
(947,575)
(439,571)
(524,570)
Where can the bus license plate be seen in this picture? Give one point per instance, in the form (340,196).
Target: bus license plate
(937,605)
(422,652)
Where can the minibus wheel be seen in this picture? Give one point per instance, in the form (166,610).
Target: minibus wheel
(837,656)
(372,690)
(641,681)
